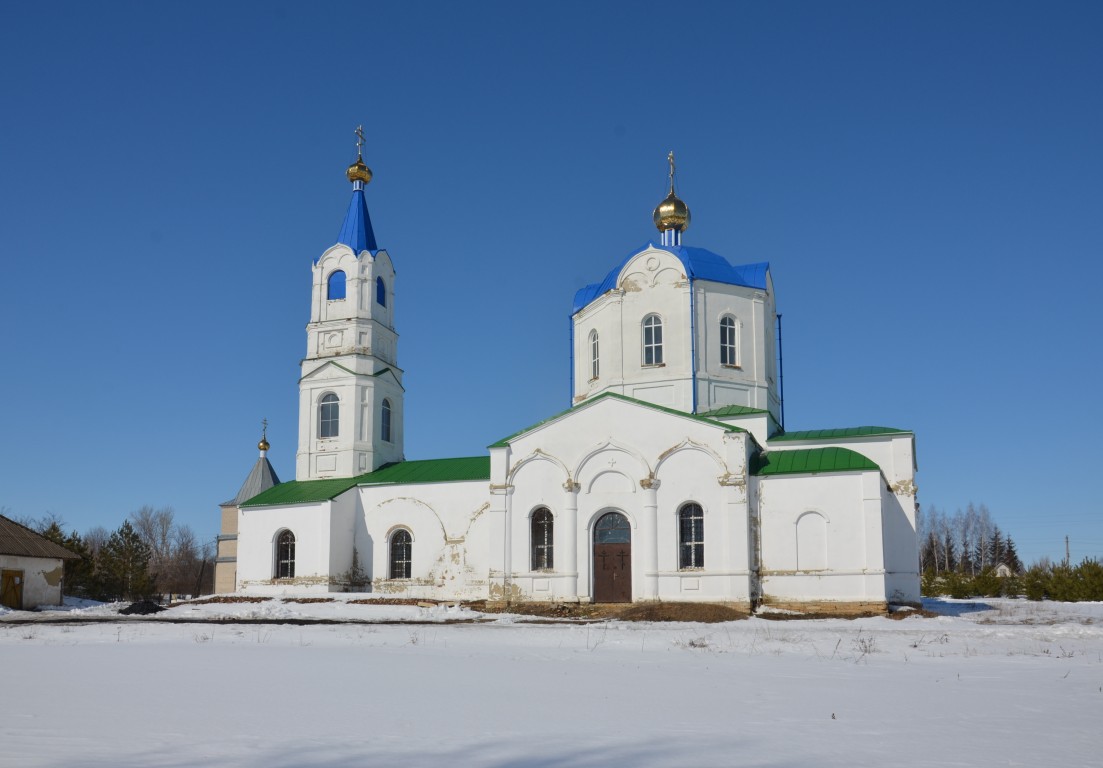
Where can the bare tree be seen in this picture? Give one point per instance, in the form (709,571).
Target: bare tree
(177,559)
(95,538)
(155,527)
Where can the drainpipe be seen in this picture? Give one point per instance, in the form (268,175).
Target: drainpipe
(693,344)
(570,355)
(780,375)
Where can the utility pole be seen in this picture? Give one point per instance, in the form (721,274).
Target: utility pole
(1067,561)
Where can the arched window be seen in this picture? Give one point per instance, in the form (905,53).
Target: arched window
(285,555)
(329,416)
(595,367)
(380,292)
(402,549)
(335,287)
(543,548)
(385,421)
(691,536)
(728,349)
(613,528)
(652,340)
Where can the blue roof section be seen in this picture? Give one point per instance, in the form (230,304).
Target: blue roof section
(356,232)
(700,264)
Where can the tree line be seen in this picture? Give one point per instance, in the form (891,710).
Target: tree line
(960,556)
(967,543)
(150,554)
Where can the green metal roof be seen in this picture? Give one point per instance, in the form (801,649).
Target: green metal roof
(429,471)
(408,472)
(836,434)
(733,410)
(614,395)
(301,492)
(810,460)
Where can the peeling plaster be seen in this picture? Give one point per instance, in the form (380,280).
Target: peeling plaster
(53,577)
(904,488)
(506,593)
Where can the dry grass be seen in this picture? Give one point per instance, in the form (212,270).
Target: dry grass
(306,600)
(224,599)
(400,601)
(922,613)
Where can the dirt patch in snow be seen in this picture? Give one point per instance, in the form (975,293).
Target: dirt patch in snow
(708,613)
(403,601)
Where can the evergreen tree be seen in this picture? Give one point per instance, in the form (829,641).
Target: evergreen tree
(996,548)
(124,564)
(80,575)
(965,561)
(928,554)
(949,552)
(53,532)
(1011,557)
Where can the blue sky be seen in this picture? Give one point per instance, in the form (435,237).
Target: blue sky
(926,180)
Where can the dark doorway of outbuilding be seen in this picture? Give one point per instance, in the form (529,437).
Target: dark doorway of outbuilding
(613,559)
(11,589)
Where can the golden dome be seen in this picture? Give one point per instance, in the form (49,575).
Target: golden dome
(672,213)
(358,171)
(263,444)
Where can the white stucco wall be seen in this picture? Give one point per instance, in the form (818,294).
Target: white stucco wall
(314,531)
(42,578)
(450,541)
(850,565)
(901,547)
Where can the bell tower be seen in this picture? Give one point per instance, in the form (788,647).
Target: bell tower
(350,391)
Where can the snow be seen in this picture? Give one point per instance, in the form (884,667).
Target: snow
(993,682)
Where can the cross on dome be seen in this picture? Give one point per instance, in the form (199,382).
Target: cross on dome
(671,215)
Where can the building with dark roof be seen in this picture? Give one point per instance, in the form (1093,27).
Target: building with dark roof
(31,567)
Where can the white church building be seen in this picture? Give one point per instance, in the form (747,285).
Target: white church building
(670,476)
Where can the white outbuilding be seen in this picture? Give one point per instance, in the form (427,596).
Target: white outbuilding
(32,568)
(670,476)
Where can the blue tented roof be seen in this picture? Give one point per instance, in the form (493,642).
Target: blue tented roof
(700,264)
(356,232)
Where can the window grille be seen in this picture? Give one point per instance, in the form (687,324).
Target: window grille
(285,555)
(613,528)
(385,421)
(402,547)
(543,547)
(691,537)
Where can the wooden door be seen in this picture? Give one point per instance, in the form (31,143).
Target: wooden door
(612,573)
(613,559)
(11,589)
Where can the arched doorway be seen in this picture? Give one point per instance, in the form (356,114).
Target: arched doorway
(613,559)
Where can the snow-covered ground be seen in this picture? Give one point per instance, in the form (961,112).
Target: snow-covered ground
(988,683)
